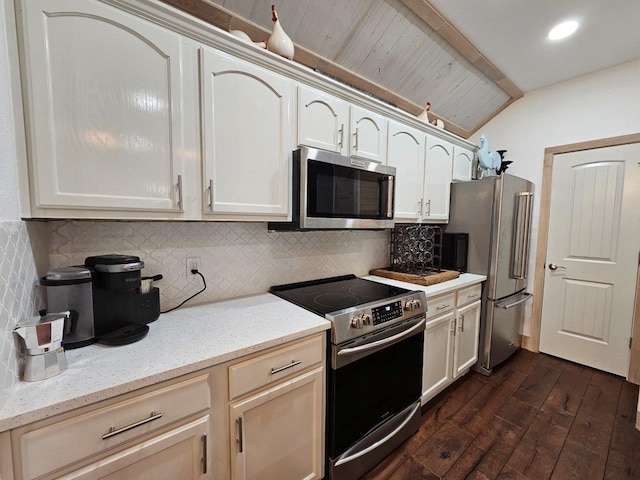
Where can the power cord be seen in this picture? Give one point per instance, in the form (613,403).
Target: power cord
(204,282)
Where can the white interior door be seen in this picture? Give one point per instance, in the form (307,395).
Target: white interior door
(592,257)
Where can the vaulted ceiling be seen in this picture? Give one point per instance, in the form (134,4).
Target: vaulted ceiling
(406,53)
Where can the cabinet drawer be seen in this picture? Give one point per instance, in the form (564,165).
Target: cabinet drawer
(54,446)
(265,369)
(469,294)
(441,304)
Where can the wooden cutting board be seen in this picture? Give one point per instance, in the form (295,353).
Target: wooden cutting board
(430,279)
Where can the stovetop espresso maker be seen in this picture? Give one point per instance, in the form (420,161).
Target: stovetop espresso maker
(39,342)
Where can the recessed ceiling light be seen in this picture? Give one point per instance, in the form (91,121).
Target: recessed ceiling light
(563,30)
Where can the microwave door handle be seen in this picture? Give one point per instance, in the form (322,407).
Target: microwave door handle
(390,180)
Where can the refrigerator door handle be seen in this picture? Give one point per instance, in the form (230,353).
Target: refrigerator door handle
(522,227)
(526,297)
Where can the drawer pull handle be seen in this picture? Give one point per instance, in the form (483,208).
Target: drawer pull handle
(113,431)
(473,295)
(442,307)
(294,363)
(240,440)
(204,454)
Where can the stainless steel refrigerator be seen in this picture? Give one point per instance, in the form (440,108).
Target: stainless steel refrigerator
(496,213)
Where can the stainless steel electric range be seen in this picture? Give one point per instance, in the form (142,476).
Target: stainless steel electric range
(374,380)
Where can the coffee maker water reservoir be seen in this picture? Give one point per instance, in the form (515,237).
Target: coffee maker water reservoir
(69,289)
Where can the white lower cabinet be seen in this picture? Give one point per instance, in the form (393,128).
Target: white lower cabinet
(163,432)
(466,338)
(451,338)
(269,411)
(260,416)
(179,453)
(277,433)
(438,348)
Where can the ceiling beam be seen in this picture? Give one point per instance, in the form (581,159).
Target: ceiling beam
(433,18)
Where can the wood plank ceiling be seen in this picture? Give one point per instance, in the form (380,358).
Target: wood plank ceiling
(401,51)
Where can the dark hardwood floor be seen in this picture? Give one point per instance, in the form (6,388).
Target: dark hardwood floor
(536,417)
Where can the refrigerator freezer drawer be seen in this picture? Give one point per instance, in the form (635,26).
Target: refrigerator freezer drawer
(502,329)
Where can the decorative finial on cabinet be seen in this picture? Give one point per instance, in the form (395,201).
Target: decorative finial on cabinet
(279,42)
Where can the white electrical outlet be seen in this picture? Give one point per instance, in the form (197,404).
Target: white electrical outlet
(193,263)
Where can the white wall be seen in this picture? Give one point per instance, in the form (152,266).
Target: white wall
(600,105)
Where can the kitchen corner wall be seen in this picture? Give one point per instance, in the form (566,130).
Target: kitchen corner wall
(237,259)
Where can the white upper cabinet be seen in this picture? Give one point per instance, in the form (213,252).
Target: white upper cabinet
(406,152)
(329,123)
(131,116)
(247,138)
(437,180)
(104,109)
(323,120)
(462,164)
(368,135)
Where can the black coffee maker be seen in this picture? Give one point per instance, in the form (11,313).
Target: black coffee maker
(121,308)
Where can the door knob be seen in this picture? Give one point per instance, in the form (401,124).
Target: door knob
(553,266)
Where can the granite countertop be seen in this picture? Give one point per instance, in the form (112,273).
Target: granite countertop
(464,280)
(179,342)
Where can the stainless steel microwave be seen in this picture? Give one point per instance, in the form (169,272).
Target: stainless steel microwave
(331,191)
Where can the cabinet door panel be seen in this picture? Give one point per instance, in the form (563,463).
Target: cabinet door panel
(438,342)
(104,106)
(277,433)
(462,164)
(437,180)
(247,128)
(178,453)
(466,344)
(368,135)
(322,120)
(406,148)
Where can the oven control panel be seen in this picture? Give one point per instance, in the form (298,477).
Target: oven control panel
(386,313)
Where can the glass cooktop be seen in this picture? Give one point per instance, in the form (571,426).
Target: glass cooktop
(329,295)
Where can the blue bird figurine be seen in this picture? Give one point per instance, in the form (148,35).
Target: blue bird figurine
(488,161)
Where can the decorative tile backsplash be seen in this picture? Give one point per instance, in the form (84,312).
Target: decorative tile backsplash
(236,259)
(23,254)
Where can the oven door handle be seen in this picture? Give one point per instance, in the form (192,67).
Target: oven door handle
(382,440)
(383,342)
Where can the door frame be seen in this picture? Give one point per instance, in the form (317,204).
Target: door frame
(533,341)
